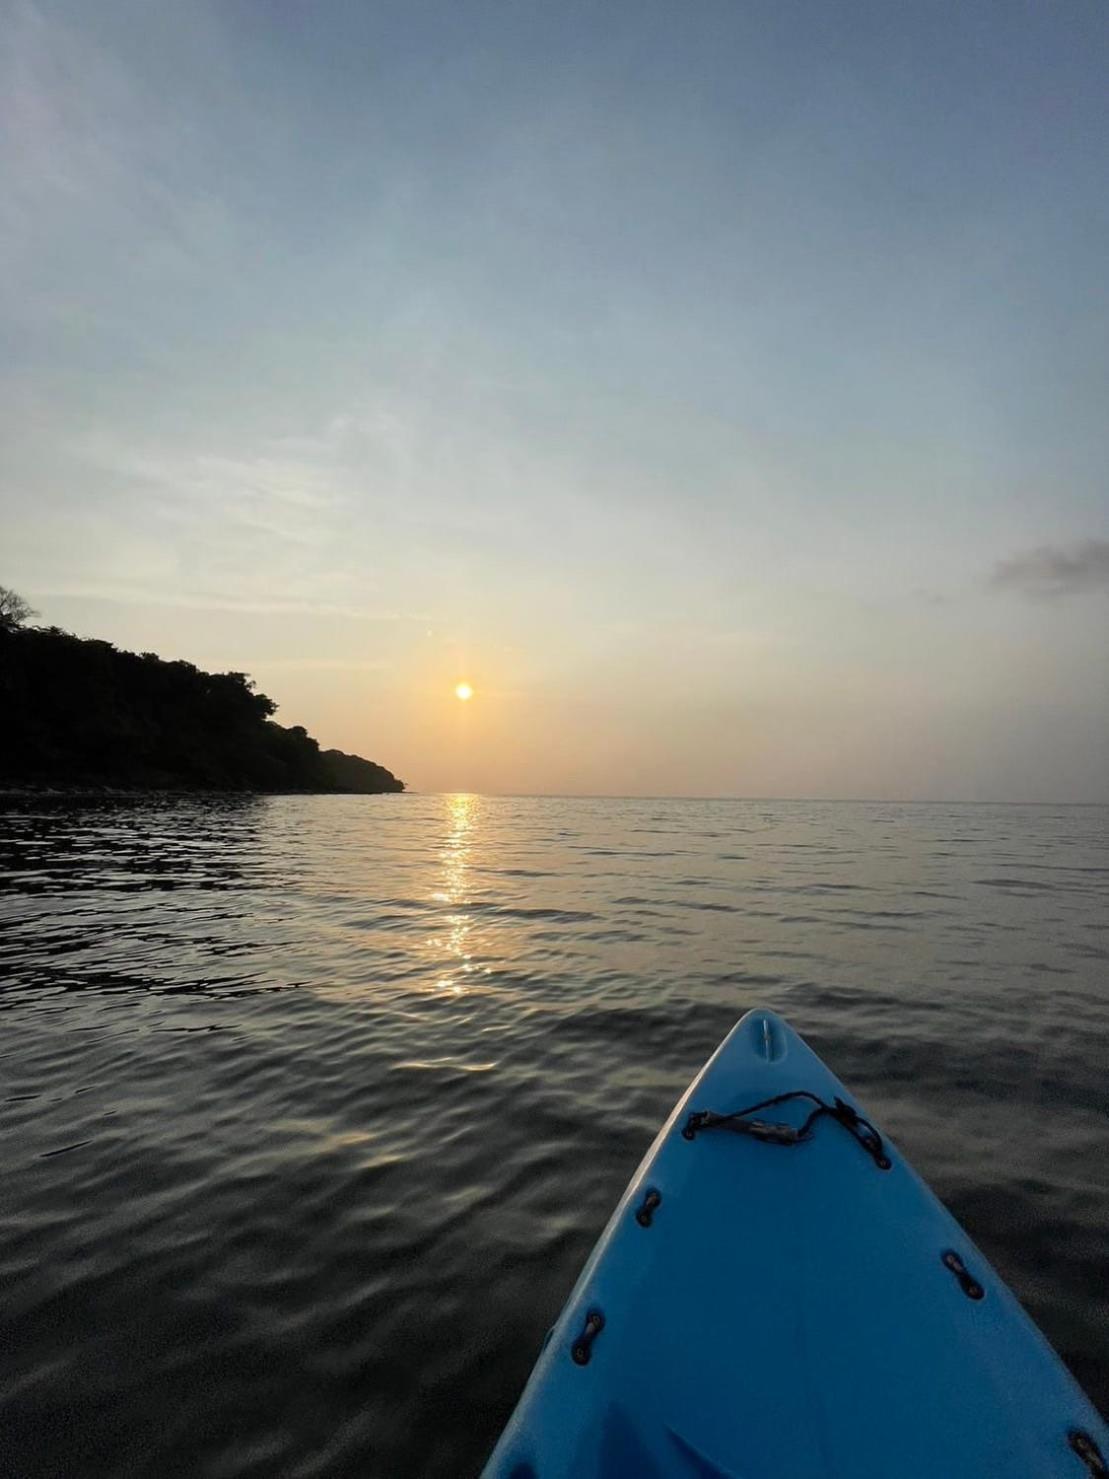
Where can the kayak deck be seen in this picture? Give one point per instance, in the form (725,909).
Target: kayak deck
(767,1310)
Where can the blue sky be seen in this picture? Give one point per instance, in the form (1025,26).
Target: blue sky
(720,388)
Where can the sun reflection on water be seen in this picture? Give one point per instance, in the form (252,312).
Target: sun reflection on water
(463,813)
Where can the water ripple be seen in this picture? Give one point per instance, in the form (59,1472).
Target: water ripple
(311,1108)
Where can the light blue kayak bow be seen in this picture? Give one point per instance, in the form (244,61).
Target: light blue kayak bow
(779,1296)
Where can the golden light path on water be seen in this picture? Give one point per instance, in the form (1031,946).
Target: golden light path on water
(454,974)
(462,818)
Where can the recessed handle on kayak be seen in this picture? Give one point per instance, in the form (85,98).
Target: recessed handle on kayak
(582,1348)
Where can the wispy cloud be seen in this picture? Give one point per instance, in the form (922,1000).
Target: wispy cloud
(319,664)
(1054,570)
(124,592)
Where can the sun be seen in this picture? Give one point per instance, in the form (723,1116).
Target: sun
(464,692)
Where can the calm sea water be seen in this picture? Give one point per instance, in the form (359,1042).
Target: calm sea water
(312,1107)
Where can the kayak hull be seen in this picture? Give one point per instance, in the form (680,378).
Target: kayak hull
(763,1310)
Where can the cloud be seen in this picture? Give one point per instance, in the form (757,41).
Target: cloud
(318,664)
(125,592)
(1052,570)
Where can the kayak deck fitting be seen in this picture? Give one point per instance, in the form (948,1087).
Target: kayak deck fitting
(779,1296)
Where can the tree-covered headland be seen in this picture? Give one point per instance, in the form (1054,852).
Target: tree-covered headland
(79,712)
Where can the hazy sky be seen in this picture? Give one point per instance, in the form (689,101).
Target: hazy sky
(721,388)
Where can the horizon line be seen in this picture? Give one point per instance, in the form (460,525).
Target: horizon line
(735,796)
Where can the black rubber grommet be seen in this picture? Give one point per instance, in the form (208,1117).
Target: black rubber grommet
(646,1211)
(582,1348)
(966,1280)
(1088,1451)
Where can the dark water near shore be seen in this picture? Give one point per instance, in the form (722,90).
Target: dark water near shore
(311,1108)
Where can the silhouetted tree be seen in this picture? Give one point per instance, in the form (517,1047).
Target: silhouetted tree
(14,610)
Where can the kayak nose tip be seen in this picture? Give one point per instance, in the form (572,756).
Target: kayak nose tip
(766,1035)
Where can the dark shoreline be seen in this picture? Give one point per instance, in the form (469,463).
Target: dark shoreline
(94,792)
